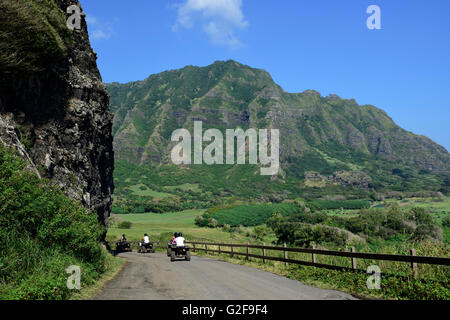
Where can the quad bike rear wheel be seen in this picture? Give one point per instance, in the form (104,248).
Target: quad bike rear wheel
(172,256)
(188,256)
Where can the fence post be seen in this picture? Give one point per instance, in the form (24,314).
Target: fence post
(219,248)
(353,258)
(285,254)
(246,257)
(206,247)
(414,264)
(264,253)
(313,255)
(232,249)
(193,245)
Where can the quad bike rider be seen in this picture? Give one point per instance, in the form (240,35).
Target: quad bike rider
(145,245)
(123,245)
(171,242)
(179,250)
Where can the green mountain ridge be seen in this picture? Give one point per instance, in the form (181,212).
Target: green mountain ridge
(336,139)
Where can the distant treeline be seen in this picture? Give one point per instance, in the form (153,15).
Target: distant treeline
(137,204)
(256,214)
(333,204)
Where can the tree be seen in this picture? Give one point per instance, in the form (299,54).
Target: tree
(260,232)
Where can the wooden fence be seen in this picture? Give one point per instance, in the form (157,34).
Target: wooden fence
(413,259)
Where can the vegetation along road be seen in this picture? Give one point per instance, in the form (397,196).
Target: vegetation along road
(153,276)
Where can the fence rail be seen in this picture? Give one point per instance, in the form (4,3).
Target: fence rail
(413,259)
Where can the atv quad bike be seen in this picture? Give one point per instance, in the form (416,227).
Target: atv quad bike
(181,252)
(169,249)
(123,246)
(146,248)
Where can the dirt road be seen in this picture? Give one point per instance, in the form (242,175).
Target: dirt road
(153,276)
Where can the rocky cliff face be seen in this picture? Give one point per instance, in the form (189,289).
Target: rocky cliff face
(58,118)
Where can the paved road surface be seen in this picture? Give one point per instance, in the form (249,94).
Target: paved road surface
(153,276)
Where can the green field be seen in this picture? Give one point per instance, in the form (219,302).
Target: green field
(157,224)
(434,205)
(185,187)
(136,189)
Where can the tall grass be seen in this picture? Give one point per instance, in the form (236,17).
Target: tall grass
(42,233)
(33,34)
(396,281)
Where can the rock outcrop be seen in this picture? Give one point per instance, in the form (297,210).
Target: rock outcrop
(59,120)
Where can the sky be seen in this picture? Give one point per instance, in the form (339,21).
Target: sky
(402,67)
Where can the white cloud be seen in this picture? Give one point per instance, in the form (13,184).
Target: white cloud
(90,19)
(99,34)
(220,19)
(98,30)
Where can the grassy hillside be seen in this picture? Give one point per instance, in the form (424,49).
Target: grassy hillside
(43,232)
(33,35)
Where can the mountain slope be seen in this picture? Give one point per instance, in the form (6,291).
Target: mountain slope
(342,142)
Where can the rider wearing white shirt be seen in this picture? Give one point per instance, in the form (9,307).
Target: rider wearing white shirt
(145,241)
(179,240)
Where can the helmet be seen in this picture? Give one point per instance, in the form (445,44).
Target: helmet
(146,235)
(175,234)
(180,234)
(123,235)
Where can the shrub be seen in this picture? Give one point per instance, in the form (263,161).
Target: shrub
(386,224)
(212,223)
(204,220)
(446,221)
(427,232)
(227,228)
(119,210)
(138,210)
(420,215)
(253,215)
(43,232)
(124,225)
(302,234)
(260,232)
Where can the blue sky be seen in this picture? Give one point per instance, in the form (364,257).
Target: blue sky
(324,45)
